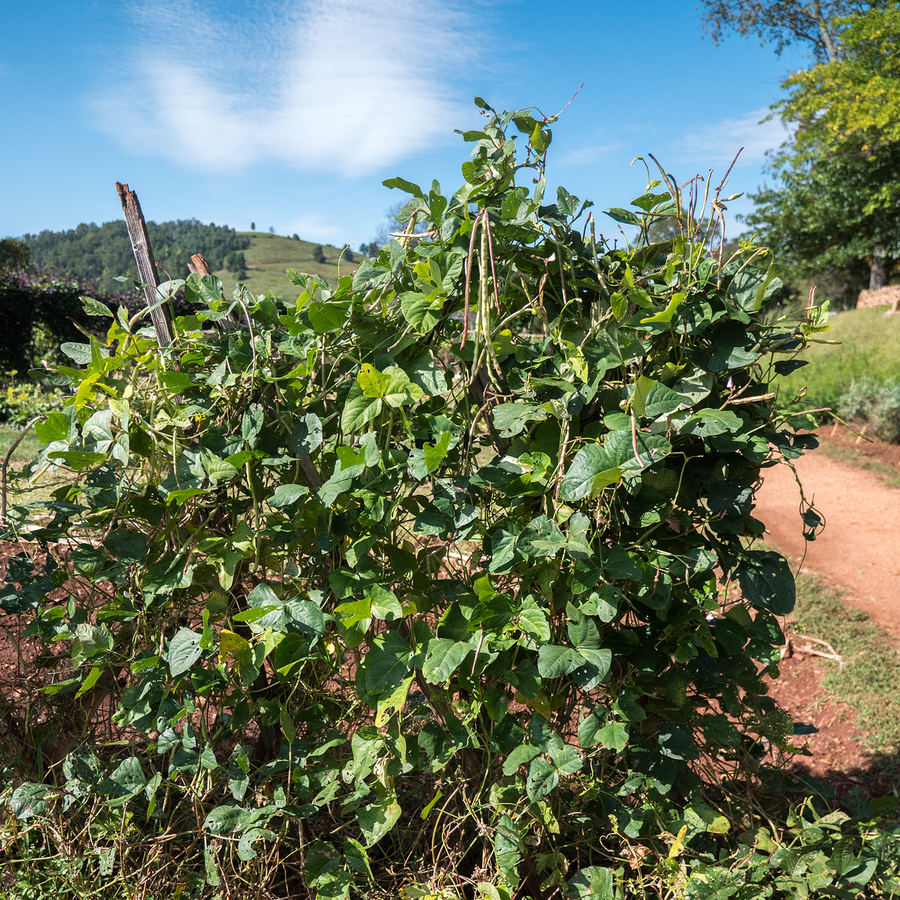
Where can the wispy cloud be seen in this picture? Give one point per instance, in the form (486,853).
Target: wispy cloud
(341,86)
(586,155)
(717,144)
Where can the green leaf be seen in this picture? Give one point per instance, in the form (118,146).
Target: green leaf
(533,621)
(359,410)
(510,418)
(709,422)
(226,818)
(377,819)
(542,779)
(436,453)
(422,311)
(626,217)
(95,308)
(590,726)
(668,312)
(287,494)
(384,604)
(614,736)
(77,459)
(750,289)
(325,317)
(29,800)
(591,883)
(306,436)
(184,651)
(591,471)
(522,754)
(652,399)
(443,658)
(767,582)
(555,661)
(386,664)
(404,185)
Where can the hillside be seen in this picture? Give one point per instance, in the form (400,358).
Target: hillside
(269,255)
(103,252)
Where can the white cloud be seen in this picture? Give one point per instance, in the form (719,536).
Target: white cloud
(717,144)
(342,86)
(583,156)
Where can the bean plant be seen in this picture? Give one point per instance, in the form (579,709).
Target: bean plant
(443,580)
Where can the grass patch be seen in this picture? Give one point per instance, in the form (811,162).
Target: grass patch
(270,255)
(871,671)
(886,474)
(25,452)
(870,345)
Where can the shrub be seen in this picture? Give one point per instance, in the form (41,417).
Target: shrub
(318,254)
(42,310)
(876,402)
(414,583)
(21,401)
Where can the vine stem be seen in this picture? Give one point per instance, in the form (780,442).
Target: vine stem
(4,467)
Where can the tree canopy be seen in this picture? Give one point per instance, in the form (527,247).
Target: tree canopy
(784,22)
(857,96)
(833,207)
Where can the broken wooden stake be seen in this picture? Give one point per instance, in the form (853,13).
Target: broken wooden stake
(143,255)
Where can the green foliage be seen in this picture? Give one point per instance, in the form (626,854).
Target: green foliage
(318,254)
(14,252)
(104,252)
(827,215)
(834,207)
(420,573)
(21,401)
(857,96)
(876,401)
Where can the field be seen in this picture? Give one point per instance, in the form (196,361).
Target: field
(269,255)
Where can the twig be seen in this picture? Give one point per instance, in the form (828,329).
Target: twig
(6,460)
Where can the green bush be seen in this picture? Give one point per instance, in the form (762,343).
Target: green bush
(411,587)
(876,402)
(21,401)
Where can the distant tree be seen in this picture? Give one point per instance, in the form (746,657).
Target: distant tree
(296,237)
(827,216)
(236,263)
(253,226)
(14,252)
(102,252)
(319,254)
(271,229)
(348,255)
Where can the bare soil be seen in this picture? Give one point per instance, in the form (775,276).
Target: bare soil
(859,550)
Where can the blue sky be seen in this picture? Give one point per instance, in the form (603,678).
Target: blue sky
(291,114)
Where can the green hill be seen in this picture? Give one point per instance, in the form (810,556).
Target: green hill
(270,255)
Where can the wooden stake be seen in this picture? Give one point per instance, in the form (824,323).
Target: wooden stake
(143,255)
(199,265)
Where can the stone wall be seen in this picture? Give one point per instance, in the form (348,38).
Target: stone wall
(886,296)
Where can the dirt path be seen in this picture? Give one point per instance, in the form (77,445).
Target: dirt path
(860,546)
